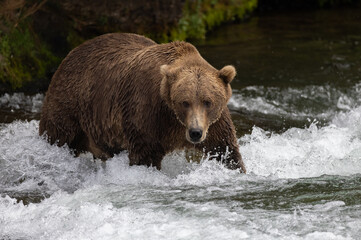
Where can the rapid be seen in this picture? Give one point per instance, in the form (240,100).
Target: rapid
(296,105)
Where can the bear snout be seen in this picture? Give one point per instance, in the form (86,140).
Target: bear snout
(196,125)
(195,134)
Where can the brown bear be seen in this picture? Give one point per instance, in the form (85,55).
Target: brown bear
(123,91)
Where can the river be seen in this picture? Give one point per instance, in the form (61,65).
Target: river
(296,105)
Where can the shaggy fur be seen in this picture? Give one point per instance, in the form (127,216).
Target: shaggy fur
(125,92)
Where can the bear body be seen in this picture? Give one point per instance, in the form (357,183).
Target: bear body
(123,91)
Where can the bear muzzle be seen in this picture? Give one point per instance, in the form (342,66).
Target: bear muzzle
(195,135)
(196,125)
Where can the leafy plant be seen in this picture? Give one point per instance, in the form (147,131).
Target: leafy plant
(23,57)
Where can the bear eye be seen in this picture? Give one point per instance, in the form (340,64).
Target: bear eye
(185,104)
(207,104)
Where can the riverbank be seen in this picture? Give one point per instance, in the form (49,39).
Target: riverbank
(36,35)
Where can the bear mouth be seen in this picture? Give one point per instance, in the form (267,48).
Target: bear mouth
(194,142)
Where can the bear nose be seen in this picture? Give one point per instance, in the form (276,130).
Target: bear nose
(195,134)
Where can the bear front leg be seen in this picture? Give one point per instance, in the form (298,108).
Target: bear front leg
(149,155)
(221,141)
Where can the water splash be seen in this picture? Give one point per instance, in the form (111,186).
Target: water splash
(309,152)
(320,102)
(29,163)
(114,212)
(87,199)
(21,101)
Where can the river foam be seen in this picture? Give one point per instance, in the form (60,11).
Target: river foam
(28,162)
(309,152)
(87,199)
(83,216)
(320,102)
(21,101)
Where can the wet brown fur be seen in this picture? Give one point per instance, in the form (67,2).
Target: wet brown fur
(119,92)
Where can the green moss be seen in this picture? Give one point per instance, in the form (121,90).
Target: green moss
(74,39)
(23,58)
(200,16)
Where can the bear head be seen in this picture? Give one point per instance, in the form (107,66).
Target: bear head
(197,93)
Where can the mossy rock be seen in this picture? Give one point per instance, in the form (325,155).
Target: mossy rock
(24,59)
(201,16)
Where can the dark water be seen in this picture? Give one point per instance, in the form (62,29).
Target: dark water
(297,108)
(300,63)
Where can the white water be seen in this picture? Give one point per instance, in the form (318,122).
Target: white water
(92,200)
(321,102)
(18,101)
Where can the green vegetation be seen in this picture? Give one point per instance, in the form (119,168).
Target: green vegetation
(29,54)
(200,16)
(74,39)
(23,58)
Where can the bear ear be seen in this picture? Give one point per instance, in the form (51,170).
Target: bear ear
(169,72)
(164,70)
(227,73)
